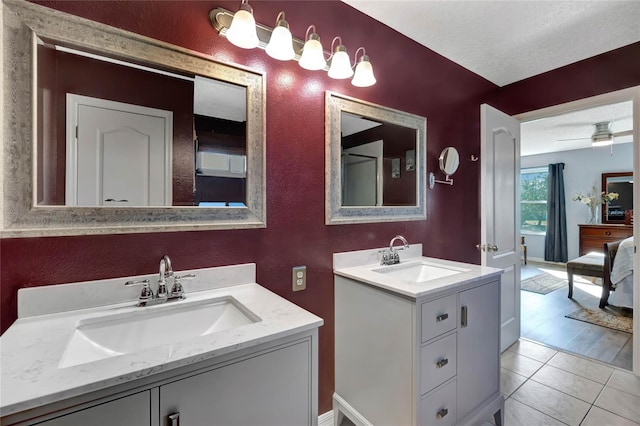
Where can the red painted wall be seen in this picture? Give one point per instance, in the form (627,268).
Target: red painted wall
(611,71)
(410,78)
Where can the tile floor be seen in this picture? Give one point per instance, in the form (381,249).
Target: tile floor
(544,386)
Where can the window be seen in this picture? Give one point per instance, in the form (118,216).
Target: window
(533,200)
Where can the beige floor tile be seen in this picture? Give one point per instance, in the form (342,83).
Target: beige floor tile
(551,402)
(510,381)
(625,382)
(620,403)
(516,413)
(569,383)
(599,417)
(582,367)
(519,364)
(533,350)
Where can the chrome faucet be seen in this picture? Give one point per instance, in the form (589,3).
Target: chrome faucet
(147,297)
(391,256)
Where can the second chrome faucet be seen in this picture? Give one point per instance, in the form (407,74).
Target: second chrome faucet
(162,295)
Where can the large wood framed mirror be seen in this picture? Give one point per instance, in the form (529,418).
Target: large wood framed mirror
(620,210)
(375,162)
(196,163)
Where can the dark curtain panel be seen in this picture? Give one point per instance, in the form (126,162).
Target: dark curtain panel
(555,243)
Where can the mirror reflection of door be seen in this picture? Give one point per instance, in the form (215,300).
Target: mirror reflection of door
(62,71)
(361,177)
(117,154)
(391,142)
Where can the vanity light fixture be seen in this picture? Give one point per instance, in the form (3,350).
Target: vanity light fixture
(312,53)
(242,30)
(281,42)
(340,63)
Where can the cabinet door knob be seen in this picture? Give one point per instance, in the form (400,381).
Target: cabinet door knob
(174,419)
(442,317)
(442,413)
(442,363)
(608,233)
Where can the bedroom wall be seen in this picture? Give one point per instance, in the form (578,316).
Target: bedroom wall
(582,170)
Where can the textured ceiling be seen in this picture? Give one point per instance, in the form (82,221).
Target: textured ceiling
(507,41)
(551,134)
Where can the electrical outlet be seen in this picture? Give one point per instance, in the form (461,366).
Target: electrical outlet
(299,276)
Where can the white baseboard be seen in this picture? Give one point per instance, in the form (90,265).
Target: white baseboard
(326,419)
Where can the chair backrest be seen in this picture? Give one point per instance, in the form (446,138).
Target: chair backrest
(610,250)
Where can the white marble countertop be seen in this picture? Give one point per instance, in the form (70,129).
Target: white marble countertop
(31,349)
(364,266)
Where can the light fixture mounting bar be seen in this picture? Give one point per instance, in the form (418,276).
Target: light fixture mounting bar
(221,20)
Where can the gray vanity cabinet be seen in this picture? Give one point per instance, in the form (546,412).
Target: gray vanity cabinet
(132,410)
(431,360)
(271,389)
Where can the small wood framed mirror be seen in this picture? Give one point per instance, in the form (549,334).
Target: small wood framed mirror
(622,184)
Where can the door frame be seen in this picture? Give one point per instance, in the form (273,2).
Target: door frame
(73,102)
(624,95)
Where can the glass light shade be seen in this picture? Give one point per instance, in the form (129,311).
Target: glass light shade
(242,31)
(312,54)
(601,142)
(281,44)
(340,64)
(364,74)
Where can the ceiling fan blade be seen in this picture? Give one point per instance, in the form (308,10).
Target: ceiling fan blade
(625,133)
(573,139)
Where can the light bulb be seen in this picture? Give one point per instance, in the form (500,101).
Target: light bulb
(281,43)
(340,64)
(242,31)
(364,73)
(312,54)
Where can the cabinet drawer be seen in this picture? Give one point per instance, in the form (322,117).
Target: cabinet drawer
(437,363)
(439,407)
(439,316)
(606,232)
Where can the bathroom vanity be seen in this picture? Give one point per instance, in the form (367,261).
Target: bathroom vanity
(416,343)
(231,353)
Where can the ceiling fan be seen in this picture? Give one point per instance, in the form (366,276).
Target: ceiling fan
(602,136)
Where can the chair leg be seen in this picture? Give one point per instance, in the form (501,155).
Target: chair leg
(570,273)
(604,300)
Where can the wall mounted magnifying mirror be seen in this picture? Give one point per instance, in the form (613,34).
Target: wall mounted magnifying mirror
(449,161)
(374,161)
(107,131)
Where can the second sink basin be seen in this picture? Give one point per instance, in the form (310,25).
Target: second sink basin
(419,271)
(147,327)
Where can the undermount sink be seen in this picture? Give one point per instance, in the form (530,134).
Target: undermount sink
(419,271)
(148,327)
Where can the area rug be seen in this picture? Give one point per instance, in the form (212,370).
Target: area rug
(543,283)
(621,321)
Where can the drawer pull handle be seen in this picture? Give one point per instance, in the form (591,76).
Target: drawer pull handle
(442,317)
(442,413)
(608,233)
(463,316)
(174,419)
(442,363)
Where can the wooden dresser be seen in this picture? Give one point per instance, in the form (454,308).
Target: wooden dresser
(593,237)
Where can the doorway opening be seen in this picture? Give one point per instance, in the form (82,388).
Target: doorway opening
(547,314)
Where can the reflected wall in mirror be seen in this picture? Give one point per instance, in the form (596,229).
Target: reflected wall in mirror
(621,183)
(364,141)
(169,128)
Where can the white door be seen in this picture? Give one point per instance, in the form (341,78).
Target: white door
(500,211)
(117,154)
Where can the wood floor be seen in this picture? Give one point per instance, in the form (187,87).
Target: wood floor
(543,320)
